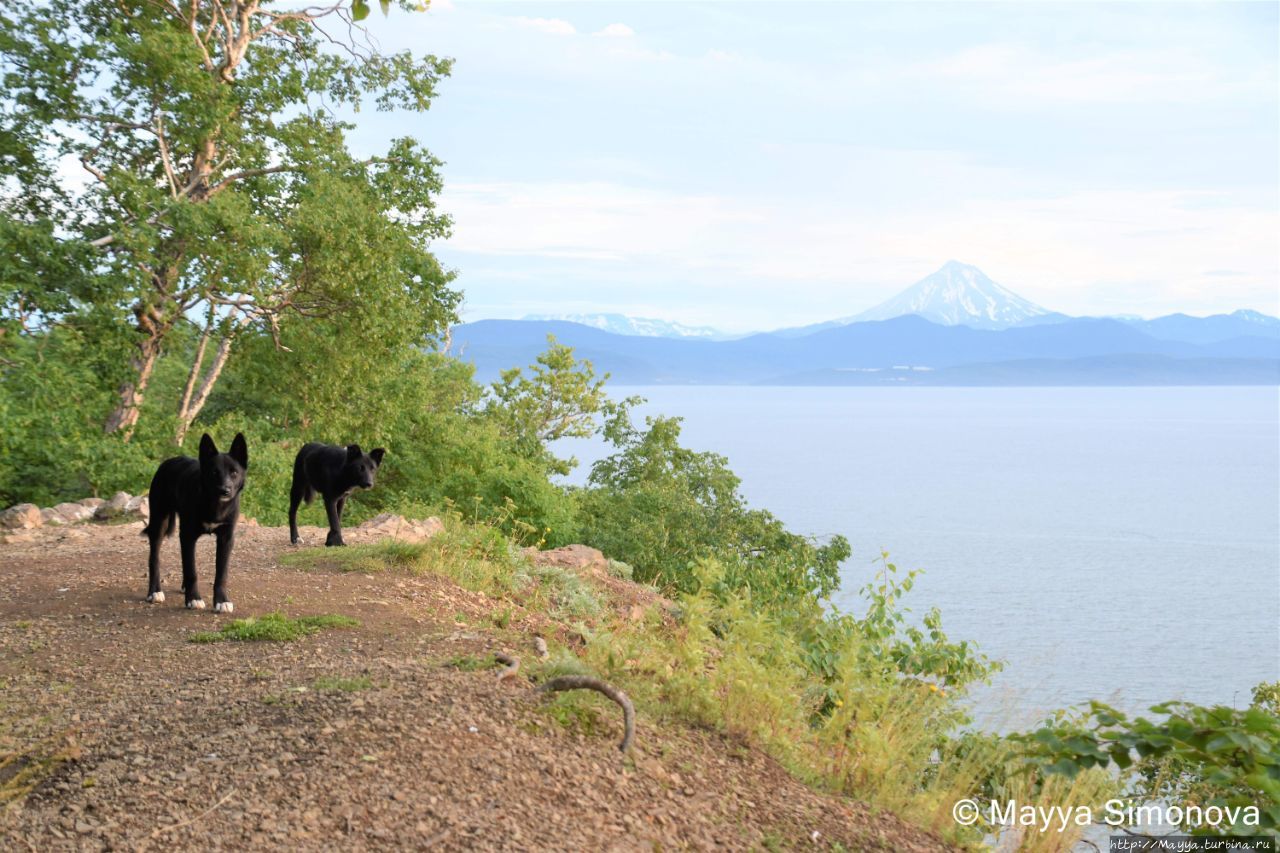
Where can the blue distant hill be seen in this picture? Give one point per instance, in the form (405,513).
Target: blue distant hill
(909,350)
(1203,330)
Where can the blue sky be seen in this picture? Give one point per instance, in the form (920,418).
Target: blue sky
(752,165)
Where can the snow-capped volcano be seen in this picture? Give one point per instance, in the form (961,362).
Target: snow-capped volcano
(957,295)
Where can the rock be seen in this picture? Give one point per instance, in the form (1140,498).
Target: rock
(51,516)
(81,511)
(92,503)
(21,517)
(115,507)
(17,538)
(398,527)
(576,557)
(71,513)
(139,506)
(123,505)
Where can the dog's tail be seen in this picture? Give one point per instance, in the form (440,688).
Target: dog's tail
(163,513)
(301,485)
(161,525)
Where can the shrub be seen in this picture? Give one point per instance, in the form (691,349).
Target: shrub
(1190,756)
(661,507)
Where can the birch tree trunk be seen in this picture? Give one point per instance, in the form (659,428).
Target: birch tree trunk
(192,404)
(124,417)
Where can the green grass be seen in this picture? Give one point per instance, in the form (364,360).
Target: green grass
(21,771)
(471,663)
(364,559)
(577,713)
(477,557)
(274,627)
(333,683)
(560,592)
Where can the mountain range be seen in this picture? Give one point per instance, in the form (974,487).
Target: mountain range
(621,324)
(955,327)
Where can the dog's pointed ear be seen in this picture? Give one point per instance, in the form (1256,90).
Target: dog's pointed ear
(207,447)
(353,452)
(376,455)
(240,450)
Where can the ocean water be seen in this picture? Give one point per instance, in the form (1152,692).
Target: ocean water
(1120,544)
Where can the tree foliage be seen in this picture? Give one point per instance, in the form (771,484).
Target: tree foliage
(661,507)
(558,398)
(215,187)
(1190,755)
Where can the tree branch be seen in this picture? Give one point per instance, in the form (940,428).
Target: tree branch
(195,367)
(165,159)
(250,173)
(112,121)
(511,665)
(583,682)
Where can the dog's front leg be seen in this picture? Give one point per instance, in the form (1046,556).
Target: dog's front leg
(333,510)
(226,537)
(190,585)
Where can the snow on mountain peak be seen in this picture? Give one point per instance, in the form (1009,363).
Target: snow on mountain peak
(958,294)
(620,324)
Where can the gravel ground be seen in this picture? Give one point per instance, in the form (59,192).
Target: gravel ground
(136,739)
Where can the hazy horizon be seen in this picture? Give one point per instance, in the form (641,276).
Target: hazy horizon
(666,318)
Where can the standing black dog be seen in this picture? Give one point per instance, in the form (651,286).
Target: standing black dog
(334,472)
(204,496)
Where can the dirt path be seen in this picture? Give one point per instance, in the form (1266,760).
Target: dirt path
(361,738)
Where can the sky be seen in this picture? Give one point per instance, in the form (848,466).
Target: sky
(751,165)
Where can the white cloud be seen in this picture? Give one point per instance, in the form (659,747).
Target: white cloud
(550,26)
(615,31)
(1114,76)
(1079,252)
(599,220)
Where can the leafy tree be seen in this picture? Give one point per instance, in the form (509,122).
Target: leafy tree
(220,190)
(661,507)
(426,413)
(559,397)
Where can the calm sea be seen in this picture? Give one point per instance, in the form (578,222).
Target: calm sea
(1113,543)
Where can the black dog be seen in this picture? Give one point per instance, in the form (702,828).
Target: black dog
(335,473)
(204,495)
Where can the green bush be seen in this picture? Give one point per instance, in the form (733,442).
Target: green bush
(661,508)
(1190,756)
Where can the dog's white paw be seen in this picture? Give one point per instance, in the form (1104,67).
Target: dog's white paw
(155,598)
(197,604)
(224,607)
